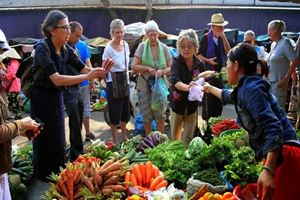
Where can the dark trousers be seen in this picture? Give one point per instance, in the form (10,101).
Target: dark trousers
(74,108)
(212,106)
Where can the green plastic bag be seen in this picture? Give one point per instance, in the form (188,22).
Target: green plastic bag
(160,94)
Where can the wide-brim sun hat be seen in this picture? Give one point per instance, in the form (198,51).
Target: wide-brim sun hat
(217,20)
(3,42)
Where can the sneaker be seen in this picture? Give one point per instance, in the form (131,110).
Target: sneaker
(89,137)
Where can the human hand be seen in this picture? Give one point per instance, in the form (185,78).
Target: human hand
(30,126)
(151,71)
(96,73)
(206,87)
(265,186)
(159,73)
(294,76)
(191,84)
(211,61)
(107,64)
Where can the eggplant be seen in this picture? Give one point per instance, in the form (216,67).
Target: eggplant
(148,141)
(153,139)
(145,145)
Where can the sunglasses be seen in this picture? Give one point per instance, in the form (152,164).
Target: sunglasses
(66,28)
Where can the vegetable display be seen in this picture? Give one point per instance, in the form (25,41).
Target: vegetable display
(224,125)
(145,177)
(151,141)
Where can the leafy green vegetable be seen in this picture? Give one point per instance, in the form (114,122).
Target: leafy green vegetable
(211,176)
(214,120)
(195,147)
(170,158)
(243,169)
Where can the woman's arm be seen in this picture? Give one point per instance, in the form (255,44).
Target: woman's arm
(265,183)
(212,90)
(139,68)
(65,80)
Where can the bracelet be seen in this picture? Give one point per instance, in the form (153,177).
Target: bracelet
(269,169)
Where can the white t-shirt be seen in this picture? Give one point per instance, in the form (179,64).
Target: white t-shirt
(281,54)
(119,59)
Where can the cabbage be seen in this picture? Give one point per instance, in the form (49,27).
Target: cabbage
(195,147)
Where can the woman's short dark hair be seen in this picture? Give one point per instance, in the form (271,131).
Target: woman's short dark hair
(247,59)
(52,19)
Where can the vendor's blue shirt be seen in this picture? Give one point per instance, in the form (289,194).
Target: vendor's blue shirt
(260,114)
(84,52)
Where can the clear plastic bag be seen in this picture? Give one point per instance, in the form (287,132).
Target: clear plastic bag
(159,95)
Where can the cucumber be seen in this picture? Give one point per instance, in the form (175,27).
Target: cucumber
(25,169)
(140,160)
(131,154)
(17,171)
(23,164)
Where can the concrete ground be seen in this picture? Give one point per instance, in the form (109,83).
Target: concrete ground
(98,126)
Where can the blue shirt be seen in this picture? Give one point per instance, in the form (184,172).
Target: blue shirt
(260,114)
(84,53)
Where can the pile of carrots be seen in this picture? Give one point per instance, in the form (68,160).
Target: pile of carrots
(69,182)
(145,177)
(87,178)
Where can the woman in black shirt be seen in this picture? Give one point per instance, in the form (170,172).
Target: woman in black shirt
(183,69)
(46,97)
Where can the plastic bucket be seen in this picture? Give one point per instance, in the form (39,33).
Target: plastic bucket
(247,192)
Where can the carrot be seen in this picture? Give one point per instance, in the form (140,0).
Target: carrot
(88,184)
(113,167)
(162,184)
(76,173)
(115,188)
(143,172)
(149,167)
(97,178)
(70,185)
(133,180)
(113,173)
(138,174)
(112,180)
(155,172)
(106,191)
(62,186)
(106,164)
(155,182)
(127,179)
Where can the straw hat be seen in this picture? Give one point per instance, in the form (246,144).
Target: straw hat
(217,20)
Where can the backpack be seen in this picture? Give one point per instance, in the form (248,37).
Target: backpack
(26,73)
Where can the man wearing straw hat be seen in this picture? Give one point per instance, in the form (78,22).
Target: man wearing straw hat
(214,47)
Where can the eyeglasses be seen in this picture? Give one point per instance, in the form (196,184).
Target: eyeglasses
(66,28)
(247,42)
(188,47)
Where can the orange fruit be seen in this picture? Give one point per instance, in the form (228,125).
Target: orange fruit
(227,195)
(207,196)
(217,197)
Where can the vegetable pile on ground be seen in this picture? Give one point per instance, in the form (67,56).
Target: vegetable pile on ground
(151,141)
(170,158)
(22,163)
(86,178)
(144,177)
(224,125)
(21,172)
